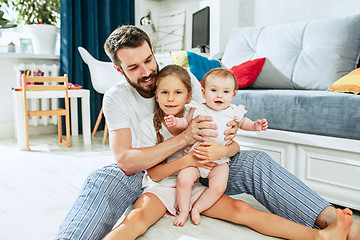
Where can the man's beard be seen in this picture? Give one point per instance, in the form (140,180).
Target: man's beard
(141,90)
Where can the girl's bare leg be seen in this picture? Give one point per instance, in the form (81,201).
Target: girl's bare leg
(218,177)
(185,181)
(147,210)
(239,212)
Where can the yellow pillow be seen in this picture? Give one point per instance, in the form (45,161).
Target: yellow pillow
(349,83)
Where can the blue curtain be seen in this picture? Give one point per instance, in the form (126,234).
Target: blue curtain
(88,23)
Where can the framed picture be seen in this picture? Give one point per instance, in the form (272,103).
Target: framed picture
(26,45)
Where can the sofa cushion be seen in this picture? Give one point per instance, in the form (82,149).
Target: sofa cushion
(315,112)
(197,64)
(350,83)
(312,55)
(247,72)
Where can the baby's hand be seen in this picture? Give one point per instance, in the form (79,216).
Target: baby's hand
(261,125)
(170,121)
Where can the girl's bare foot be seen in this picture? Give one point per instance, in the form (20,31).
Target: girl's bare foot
(195,216)
(181,219)
(340,229)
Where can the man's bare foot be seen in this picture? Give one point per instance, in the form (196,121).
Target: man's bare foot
(340,229)
(181,219)
(347,212)
(195,216)
(354,233)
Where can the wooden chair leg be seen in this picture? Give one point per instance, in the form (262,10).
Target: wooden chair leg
(98,120)
(27,133)
(67,123)
(105,133)
(59,129)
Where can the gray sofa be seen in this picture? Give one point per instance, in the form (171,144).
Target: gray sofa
(313,133)
(303,60)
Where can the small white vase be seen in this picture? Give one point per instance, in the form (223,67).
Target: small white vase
(43,38)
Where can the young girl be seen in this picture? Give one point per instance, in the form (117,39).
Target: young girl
(173,90)
(218,90)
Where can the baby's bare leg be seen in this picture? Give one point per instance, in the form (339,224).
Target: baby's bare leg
(218,177)
(185,181)
(147,210)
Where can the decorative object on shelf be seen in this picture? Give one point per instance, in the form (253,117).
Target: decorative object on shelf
(25,45)
(11,47)
(41,18)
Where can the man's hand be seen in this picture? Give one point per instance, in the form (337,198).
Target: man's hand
(261,125)
(231,133)
(170,121)
(200,129)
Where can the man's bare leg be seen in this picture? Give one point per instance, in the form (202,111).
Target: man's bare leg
(328,217)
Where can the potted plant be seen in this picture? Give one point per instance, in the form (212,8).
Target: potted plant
(4,23)
(42,19)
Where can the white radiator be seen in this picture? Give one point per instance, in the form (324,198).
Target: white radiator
(39,104)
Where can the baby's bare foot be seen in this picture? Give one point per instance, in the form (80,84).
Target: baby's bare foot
(181,219)
(340,229)
(195,216)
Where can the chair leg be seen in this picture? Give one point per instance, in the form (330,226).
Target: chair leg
(67,123)
(105,133)
(98,120)
(27,134)
(59,129)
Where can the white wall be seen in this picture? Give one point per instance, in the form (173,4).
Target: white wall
(158,6)
(226,14)
(271,12)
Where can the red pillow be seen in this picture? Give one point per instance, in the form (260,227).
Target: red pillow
(247,72)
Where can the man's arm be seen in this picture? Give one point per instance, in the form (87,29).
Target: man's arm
(132,160)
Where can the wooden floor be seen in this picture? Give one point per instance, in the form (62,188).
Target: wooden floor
(38,187)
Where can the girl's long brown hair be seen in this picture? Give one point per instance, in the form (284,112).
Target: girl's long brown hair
(170,70)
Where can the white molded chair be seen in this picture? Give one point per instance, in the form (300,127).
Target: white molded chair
(103,76)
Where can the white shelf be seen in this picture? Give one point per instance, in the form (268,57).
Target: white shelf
(28,56)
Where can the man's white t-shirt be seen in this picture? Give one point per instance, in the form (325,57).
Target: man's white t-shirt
(124,107)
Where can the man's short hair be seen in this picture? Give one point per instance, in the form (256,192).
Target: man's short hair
(126,36)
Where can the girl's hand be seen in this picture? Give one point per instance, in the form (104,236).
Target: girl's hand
(261,125)
(193,161)
(231,133)
(209,151)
